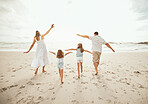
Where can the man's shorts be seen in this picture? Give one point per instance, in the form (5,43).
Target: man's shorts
(96,56)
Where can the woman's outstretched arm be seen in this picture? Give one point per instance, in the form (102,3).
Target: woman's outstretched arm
(52,52)
(68,53)
(71,50)
(88,51)
(48,30)
(31,46)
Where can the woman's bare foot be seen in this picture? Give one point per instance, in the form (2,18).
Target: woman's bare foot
(62,82)
(43,71)
(96,73)
(35,73)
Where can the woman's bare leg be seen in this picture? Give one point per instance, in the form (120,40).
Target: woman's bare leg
(43,69)
(36,71)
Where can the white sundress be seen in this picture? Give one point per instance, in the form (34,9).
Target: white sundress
(41,56)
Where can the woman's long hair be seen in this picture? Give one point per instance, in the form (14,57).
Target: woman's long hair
(37,34)
(81,47)
(60,54)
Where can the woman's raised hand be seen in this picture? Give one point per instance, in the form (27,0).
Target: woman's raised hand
(52,26)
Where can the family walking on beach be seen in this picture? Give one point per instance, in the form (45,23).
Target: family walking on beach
(41,57)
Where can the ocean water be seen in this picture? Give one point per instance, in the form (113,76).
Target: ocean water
(54,46)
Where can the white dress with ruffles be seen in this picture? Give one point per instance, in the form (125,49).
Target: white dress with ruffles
(41,56)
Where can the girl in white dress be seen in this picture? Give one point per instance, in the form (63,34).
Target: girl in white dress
(41,57)
(79,56)
(60,62)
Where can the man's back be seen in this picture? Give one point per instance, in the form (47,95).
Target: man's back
(97,42)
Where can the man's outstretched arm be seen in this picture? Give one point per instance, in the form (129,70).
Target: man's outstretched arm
(110,47)
(84,36)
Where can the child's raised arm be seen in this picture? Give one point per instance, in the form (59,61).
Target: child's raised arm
(88,51)
(71,49)
(52,52)
(68,53)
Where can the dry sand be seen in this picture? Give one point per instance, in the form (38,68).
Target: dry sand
(122,79)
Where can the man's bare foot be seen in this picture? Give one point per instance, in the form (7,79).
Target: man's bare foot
(96,73)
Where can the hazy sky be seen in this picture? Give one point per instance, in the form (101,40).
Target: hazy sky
(115,20)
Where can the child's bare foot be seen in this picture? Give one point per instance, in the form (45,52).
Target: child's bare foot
(96,73)
(62,82)
(81,71)
(79,76)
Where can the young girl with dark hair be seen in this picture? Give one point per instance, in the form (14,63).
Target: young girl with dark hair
(60,62)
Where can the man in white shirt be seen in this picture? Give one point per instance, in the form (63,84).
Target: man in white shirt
(97,42)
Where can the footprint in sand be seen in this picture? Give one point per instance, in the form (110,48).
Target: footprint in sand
(14,71)
(140,86)
(108,79)
(17,94)
(53,98)
(30,83)
(51,88)
(38,83)
(22,87)
(40,98)
(99,98)
(84,82)
(108,100)
(12,75)
(75,101)
(2,76)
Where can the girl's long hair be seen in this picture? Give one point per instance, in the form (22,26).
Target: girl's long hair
(81,47)
(60,54)
(37,34)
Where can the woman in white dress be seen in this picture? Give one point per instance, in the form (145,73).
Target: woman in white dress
(41,57)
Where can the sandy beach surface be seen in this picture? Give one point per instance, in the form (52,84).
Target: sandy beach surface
(122,79)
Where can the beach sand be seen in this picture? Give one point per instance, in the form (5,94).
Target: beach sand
(122,79)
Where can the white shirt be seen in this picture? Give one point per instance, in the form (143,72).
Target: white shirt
(97,42)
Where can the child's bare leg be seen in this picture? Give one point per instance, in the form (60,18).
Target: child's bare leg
(62,76)
(60,73)
(36,71)
(43,69)
(78,70)
(81,67)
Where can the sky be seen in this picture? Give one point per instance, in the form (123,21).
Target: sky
(115,20)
